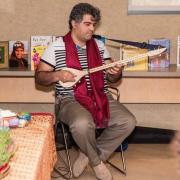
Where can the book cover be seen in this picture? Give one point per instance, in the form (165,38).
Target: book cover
(3,54)
(178,51)
(162,61)
(18,54)
(38,46)
(54,38)
(139,65)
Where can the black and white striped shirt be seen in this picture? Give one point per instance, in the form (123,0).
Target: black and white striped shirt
(55,56)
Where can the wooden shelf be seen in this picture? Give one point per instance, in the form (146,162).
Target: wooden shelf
(152,86)
(171,72)
(14,72)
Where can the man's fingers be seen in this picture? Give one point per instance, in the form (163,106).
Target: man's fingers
(112,71)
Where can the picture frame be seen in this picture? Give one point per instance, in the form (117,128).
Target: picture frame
(153,6)
(22,55)
(178,51)
(38,46)
(4,54)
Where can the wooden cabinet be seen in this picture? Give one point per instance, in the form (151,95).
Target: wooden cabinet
(160,86)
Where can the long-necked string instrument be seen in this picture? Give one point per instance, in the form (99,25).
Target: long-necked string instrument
(81,73)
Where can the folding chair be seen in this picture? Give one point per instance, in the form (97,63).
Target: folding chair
(66,171)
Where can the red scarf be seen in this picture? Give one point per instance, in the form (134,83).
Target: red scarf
(95,101)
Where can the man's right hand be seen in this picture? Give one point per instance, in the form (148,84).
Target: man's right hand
(65,76)
(45,75)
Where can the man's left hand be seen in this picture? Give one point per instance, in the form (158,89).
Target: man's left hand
(116,70)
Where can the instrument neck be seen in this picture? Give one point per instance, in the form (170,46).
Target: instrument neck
(122,62)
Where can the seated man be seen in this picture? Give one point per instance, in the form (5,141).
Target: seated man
(87,105)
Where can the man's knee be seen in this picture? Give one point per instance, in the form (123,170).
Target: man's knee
(128,124)
(82,126)
(131,123)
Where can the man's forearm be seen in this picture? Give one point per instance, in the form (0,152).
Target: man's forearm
(45,77)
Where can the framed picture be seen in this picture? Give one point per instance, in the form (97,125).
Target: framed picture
(18,54)
(178,51)
(3,54)
(153,6)
(38,46)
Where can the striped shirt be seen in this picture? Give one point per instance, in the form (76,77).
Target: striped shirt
(55,56)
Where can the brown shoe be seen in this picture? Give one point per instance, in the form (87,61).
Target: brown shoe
(80,164)
(102,172)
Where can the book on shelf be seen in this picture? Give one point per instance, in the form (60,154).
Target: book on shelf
(54,38)
(130,51)
(18,54)
(178,51)
(38,46)
(3,54)
(163,60)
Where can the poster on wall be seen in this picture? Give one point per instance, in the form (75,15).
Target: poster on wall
(153,6)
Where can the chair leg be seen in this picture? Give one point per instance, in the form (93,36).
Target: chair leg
(124,171)
(67,151)
(68,165)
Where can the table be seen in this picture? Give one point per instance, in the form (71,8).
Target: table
(36,153)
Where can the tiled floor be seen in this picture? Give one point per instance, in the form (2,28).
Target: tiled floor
(144,162)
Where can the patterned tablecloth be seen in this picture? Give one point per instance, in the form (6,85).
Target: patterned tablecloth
(36,153)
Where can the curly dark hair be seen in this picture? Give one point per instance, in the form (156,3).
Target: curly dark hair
(81,9)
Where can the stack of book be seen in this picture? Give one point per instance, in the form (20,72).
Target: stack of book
(12,51)
(17,54)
